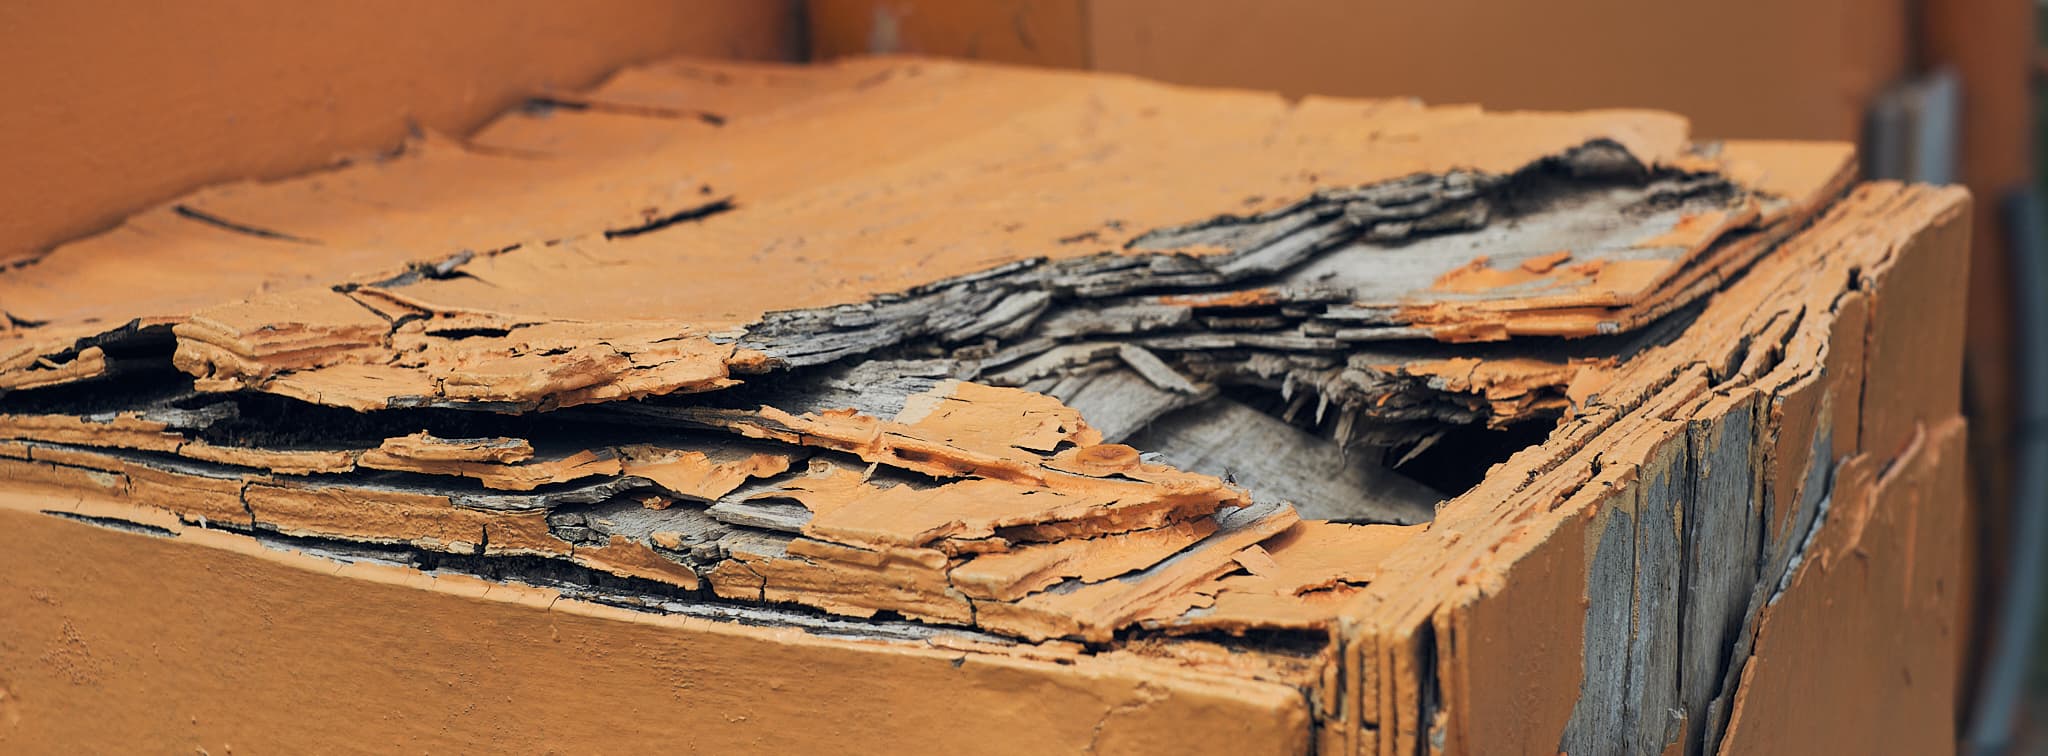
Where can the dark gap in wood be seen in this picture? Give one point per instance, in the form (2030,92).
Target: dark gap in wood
(1460,460)
(188,212)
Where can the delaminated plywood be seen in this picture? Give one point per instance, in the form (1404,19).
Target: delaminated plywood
(1073,368)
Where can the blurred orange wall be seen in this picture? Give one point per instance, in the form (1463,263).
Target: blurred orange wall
(114,106)
(1738,68)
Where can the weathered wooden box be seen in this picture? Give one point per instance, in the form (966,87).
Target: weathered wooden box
(901,404)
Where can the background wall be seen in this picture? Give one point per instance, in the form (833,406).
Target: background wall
(114,106)
(1737,68)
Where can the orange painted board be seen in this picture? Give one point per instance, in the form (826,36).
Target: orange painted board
(659,360)
(450,663)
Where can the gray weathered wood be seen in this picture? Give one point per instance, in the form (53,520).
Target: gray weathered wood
(1780,554)
(1597,721)
(1724,520)
(1654,717)
(1279,462)
(1119,402)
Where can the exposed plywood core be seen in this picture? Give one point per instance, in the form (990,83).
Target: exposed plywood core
(1087,369)
(1731,452)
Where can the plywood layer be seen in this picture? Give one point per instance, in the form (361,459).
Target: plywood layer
(1037,365)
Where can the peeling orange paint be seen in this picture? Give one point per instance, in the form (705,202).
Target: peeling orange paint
(611,302)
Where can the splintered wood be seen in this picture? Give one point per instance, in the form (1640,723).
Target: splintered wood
(1036,363)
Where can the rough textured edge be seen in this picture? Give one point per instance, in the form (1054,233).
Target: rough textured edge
(141,681)
(1401,667)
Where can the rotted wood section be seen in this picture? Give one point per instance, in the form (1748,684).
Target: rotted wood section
(1368,426)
